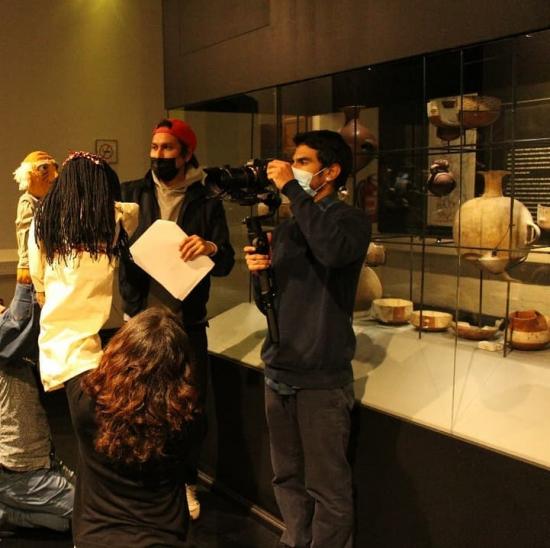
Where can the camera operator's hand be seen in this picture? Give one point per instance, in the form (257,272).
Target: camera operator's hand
(256,261)
(280,173)
(194,246)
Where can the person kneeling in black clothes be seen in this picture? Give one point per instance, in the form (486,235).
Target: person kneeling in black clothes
(134,418)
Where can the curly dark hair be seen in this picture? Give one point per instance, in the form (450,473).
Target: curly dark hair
(143,389)
(78,213)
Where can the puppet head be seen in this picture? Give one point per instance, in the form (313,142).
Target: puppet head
(78,214)
(36,173)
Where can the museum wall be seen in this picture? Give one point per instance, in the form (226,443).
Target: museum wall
(252,44)
(74,72)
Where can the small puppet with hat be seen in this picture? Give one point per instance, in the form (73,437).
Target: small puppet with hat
(34,176)
(19,323)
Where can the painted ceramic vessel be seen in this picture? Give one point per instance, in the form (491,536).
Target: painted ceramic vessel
(482,227)
(528,330)
(442,181)
(431,320)
(376,254)
(392,311)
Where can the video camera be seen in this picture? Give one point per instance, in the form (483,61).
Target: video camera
(248,184)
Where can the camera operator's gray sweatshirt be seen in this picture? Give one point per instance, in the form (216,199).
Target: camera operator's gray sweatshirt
(316,259)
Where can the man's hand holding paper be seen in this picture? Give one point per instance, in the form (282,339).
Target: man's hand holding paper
(193,246)
(176,261)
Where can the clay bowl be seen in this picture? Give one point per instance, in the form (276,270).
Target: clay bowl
(480,111)
(473,332)
(432,320)
(528,330)
(392,311)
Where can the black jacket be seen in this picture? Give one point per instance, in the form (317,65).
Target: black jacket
(116,505)
(199,215)
(316,260)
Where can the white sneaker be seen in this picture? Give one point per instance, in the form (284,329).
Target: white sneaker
(193,502)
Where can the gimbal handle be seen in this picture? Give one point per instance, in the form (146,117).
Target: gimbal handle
(258,238)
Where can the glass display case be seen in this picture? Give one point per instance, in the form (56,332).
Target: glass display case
(452,165)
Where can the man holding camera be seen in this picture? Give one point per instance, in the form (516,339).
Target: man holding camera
(173,190)
(315,261)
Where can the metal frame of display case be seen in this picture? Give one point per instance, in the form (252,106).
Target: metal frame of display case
(424,234)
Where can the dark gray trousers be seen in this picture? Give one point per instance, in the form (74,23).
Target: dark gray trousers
(199,348)
(309,435)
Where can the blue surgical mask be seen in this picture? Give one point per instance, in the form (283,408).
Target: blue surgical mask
(304,179)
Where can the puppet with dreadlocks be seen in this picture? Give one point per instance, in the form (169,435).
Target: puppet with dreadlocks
(19,323)
(80,231)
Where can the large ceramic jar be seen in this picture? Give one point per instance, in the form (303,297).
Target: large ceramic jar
(484,222)
(528,330)
(369,288)
(361,140)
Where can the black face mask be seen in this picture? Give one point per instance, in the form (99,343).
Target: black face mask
(164,168)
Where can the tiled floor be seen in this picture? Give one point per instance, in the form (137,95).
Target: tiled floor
(223,523)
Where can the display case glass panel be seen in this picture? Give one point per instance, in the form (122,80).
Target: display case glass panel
(452,165)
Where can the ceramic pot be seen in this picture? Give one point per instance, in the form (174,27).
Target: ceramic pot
(432,320)
(361,140)
(485,223)
(528,330)
(376,255)
(392,311)
(479,111)
(369,288)
(441,181)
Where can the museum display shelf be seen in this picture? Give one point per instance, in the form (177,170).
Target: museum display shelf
(499,404)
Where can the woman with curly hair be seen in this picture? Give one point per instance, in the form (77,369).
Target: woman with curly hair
(81,229)
(134,419)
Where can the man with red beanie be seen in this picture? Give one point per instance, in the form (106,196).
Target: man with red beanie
(173,190)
